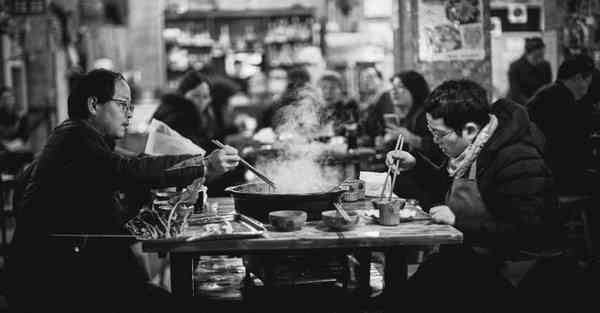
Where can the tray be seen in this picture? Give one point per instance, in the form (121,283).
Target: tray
(420,215)
(203,227)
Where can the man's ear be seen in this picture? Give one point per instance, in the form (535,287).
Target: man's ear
(92,103)
(470,131)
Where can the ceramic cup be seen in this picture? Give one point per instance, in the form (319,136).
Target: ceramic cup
(389,211)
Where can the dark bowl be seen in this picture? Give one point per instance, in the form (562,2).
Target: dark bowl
(287,220)
(335,221)
(256,200)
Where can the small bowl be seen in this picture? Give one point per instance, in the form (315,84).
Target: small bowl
(334,220)
(287,220)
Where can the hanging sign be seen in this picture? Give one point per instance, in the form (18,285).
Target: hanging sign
(450,30)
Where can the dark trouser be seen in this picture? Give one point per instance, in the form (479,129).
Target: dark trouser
(99,278)
(559,285)
(458,279)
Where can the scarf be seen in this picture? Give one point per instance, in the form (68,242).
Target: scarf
(459,165)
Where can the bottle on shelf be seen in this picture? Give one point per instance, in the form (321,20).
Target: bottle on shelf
(224,39)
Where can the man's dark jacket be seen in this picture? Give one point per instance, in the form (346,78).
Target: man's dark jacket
(515,184)
(566,125)
(72,189)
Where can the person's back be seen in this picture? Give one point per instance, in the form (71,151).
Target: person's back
(566,124)
(529,73)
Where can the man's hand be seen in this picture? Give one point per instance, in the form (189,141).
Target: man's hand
(404,159)
(442,214)
(221,161)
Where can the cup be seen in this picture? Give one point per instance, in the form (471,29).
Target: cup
(389,211)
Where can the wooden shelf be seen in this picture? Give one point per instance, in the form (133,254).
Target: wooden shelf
(228,14)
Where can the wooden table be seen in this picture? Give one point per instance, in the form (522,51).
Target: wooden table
(367,237)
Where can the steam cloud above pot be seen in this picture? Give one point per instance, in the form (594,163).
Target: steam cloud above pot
(298,122)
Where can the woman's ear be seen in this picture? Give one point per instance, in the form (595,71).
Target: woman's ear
(92,103)
(470,131)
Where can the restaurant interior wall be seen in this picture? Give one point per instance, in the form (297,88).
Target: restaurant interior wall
(407,50)
(508,42)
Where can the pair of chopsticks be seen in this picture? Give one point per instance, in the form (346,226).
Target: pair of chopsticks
(399,145)
(249,166)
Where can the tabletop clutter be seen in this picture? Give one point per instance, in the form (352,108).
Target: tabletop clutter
(188,215)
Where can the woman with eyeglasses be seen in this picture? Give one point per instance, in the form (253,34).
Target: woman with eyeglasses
(409,91)
(188,111)
(494,187)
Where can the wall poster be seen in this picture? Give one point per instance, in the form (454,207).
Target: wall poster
(450,30)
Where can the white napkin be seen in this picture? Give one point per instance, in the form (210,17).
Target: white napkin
(163,140)
(374,183)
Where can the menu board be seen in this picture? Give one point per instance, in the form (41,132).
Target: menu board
(450,30)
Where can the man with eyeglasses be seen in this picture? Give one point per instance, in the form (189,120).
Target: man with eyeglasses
(73,188)
(494,187)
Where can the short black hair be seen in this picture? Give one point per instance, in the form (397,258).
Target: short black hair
(459,102)
(98,83)
(191,80)
(534,43)
(578,64)
(298,77)
(416,84)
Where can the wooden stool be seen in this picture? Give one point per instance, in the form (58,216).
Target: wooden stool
(580,205)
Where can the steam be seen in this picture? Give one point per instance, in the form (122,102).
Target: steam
(299,167)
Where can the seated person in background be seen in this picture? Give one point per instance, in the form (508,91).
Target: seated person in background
(566,122)
(13,133)
(530,72)
(222,88)
(375,102)
(338,110)
(188,111)
(409,91)
(297,78)
(498,193)
(72,189)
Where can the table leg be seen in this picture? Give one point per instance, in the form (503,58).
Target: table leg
(395,273)
(364,274)
(182,270)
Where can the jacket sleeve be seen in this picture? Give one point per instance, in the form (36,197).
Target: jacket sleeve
(433,177)
(147,172)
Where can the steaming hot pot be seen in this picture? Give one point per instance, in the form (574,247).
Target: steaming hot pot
(258,199)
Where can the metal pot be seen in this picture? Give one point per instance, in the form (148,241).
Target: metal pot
(256,200)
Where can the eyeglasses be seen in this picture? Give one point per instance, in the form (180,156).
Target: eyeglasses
(438,134)
(126,106)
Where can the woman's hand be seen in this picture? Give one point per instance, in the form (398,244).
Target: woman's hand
(404,160)
(220,161)
(442,214)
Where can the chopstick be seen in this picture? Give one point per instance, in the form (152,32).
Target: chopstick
(338,206)
(395,172)
(387,177)
(249,166)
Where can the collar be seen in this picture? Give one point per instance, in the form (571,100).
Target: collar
(88,124)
